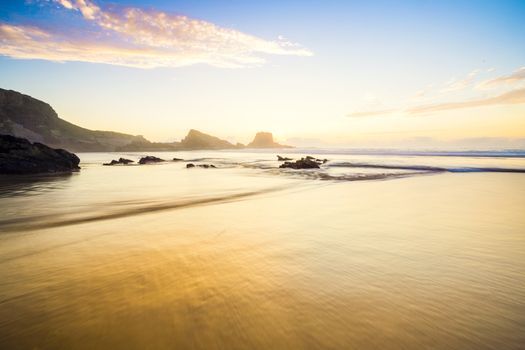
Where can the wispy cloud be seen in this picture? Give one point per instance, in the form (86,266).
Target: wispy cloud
(144,39)
(509,98)
(512,97)
(461,84)
(515,77)
(515,96)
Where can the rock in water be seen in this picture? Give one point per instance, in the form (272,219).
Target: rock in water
(19,156)
(282,159)
(303,163)
(205,166)
(150,159)
(122,161)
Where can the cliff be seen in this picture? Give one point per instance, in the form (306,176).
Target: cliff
(27,117)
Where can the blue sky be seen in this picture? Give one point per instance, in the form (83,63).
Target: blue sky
(302,69)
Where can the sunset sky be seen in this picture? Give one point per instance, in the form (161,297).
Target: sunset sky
(320,73)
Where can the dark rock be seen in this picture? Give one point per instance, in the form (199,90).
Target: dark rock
(303,163)
(282,159)
(19,156)
(178,159)
(150,159)
(120,161)
(125,161)
(205,166)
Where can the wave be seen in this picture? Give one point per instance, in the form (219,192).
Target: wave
(507,153)
(121,210)
(425,168)
(317,175)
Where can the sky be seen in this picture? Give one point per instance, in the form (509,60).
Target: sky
(422,74)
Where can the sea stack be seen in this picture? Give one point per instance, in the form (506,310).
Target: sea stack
(265,140)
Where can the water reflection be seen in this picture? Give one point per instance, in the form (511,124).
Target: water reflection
(27,185)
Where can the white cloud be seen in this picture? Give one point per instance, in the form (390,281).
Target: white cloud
(143,39)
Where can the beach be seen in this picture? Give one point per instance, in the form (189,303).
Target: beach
(242,256)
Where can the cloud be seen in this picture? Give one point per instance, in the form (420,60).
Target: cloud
(515,96)
(144,39)
(510,79)
(512,97)
(456,85)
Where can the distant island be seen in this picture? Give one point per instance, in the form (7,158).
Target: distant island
(24,116)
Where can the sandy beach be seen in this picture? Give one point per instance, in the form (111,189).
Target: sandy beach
(301,263)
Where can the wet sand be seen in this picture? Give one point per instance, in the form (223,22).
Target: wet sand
(435,261)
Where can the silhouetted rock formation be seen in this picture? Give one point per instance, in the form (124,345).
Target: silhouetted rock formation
(150,159)
(190,165)
(178,159)
(120,161)
(304,163)
(265,140)
(282,159)
(199,140)
(19,156)
(27,117)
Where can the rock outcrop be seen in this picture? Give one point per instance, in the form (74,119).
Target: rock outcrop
(307,162)
(19,156)
(199,140)
(265,140)
(282,159)
(120,161)
(205,166)
(150,159)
